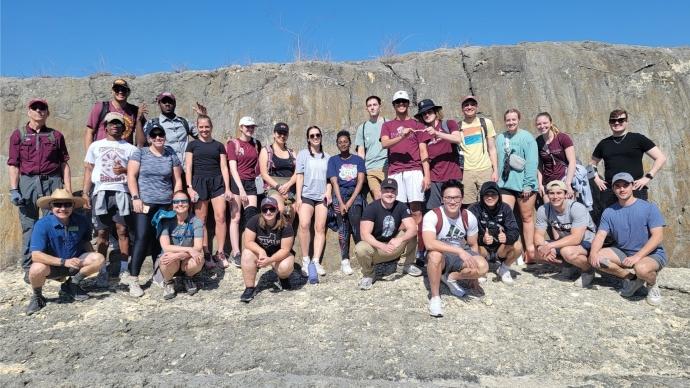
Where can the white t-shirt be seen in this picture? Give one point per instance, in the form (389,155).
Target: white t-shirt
(104,155)
(453,231)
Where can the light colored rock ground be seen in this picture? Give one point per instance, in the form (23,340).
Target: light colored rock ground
(543,331)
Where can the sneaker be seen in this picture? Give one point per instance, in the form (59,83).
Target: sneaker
(247,295)
(305,267)
(654,295)
(504,273)
(630,287)
(453,286)
(135,288)
(169,290)
(319,268)
(412,270)
(189,285)
(568,272)
(312,272)
(222,259)
(520,261)
(237,260)
(73,291)
(102,278)
(36,303)
(482,279)
(208,261)
(435,307)
(366,283)
(585,280)
(345,267)
(285,284)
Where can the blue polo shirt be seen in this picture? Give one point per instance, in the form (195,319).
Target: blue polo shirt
(51,237)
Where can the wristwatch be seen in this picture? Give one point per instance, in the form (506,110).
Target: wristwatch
(135,197)
(649,176)
(62,261)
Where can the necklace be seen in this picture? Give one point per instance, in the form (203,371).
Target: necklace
(621,138)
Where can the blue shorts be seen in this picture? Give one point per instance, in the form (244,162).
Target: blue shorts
(662,261)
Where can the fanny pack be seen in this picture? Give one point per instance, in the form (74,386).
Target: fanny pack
(516,162)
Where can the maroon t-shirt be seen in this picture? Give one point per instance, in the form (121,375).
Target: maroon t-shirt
(404,156)
(246,156)
(129,112)
(44,158)
(552,160)
(443,161)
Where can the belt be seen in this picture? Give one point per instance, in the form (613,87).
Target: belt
(43,177)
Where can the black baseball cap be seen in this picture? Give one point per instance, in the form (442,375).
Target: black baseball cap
(281,128)
(389,183)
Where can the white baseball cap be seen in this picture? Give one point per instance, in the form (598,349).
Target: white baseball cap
(247,121)
(401,95)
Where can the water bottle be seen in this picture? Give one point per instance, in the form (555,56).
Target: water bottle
(313,275)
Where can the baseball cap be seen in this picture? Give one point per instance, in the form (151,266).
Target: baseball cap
(114,116)
(556,184)
(389,183)
(36,100)
(247,121)
(121,82)
(269,201)
(156,130)
(462,100)
(401,95)
(622,176)
(166,94)
(281,127)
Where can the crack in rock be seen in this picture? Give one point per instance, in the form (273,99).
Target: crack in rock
(413,97)
(467,73)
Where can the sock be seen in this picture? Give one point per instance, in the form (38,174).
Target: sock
(38,291)
(76,279)
(305,259)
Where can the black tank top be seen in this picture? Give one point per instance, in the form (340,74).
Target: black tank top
(283,168)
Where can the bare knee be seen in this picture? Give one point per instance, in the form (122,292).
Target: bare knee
(434,258)
(482,265)
(39,271)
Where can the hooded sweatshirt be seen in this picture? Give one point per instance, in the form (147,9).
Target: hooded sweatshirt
(491,218)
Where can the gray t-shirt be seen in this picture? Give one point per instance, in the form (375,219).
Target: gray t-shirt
(575,215)
(368,136)
(155,175)
(182,235)
(176,135)
(314,170)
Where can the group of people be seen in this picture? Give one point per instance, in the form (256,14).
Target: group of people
(446,197)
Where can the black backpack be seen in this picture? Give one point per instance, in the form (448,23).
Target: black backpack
(105,109)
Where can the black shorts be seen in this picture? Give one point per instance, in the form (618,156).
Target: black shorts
(208,187)
(311,202)
(108,221)
(514,193)
(249,186)
(59,272)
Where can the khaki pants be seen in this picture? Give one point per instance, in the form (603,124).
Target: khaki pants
(374,179)
(368,256)
(473,181)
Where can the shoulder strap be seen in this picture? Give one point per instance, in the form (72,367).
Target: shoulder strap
(185,124)
(482,122)
(258,146)
(444,126)
(105,108)
(465,219)
(364,138)
(439,219)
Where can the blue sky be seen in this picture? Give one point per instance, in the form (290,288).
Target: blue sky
(78,38)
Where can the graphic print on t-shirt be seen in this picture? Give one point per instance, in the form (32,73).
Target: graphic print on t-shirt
(109,158)
(388,226)
(348,172)
(268,240)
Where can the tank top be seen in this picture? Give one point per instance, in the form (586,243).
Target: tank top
(283,168)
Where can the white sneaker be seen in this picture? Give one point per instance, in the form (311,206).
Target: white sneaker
(585,280)
(482,279)
(319,268)
(654,295)
(345,267)
(305,267)
(520,261)
(453,286)
(412,270)
(435,307)
(504,273)
(135,288)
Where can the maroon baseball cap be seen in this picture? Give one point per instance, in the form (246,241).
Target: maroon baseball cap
(36,100)
(165,94)
(462,100)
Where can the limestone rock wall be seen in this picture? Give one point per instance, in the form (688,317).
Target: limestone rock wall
(578,83)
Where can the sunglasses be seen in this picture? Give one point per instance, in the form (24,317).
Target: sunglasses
(120,89)
(180,201)
(315,136)
(619,120)
(38,107)
(400,102)
(66,205)
(268,209)
(157,135)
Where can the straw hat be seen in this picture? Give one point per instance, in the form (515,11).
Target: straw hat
(59,195)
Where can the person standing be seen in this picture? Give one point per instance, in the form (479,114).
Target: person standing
(37,165)
(368,146)
(277,164)
(557,159)
(134,118)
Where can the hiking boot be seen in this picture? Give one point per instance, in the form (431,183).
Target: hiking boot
(72,291)
(412,270)
(248,294)
(168,289)
(568,272)
(102,278)
(237,260)
(319,268)
(305,267)
(345,267)
(504,273)
(585,280)
(453,286)
(36,303)
(435,307)
(630,287)
(135,288)
(189,285)
(366,283)
(221,259)
(654,295)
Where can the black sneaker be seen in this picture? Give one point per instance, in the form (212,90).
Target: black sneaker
(73,291)
(248,294)
(36,303)
(189,285)
(26,277)
(237,260)
(285,284)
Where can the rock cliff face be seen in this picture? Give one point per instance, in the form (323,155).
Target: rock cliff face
(578,83)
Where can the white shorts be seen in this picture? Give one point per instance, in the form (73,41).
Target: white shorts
(409,186)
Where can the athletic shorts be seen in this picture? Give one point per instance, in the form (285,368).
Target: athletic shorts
(409,186)
(113,217)
(453,262)
(59,272)
(249,186)
(586,245)
(312,202)
(656,257)
(208,187)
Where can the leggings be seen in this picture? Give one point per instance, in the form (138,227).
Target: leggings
(348,225)
(144,238)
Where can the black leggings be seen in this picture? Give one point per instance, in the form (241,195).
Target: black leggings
(348,225)
(144,239)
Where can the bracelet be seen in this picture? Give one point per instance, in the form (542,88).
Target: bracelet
(62,262)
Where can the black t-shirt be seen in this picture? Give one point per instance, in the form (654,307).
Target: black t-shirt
(206,157)
(623,155)
(269,239)
(386,221)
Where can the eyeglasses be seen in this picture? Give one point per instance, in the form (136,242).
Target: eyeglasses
(315,136)
(157,135)
(268,210)
(66,205)
(120,89)
(619,120)
(38,107)
(450,199)
(180,201)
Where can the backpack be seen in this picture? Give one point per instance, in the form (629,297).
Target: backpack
(439,219)
(23,135)
(185,124)
(457,152)
(105,109)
